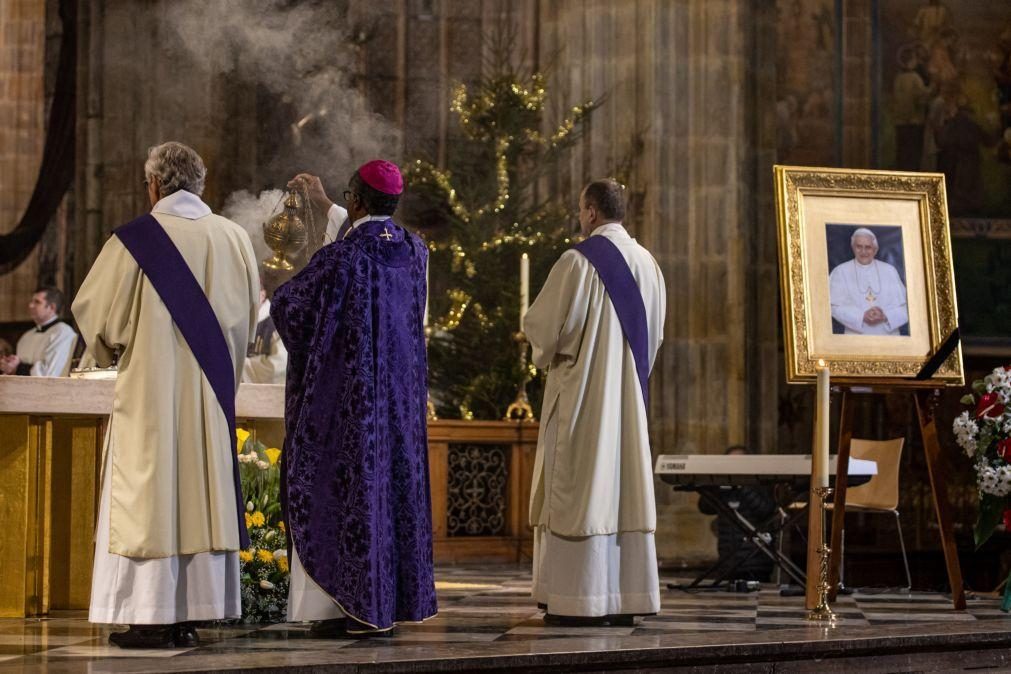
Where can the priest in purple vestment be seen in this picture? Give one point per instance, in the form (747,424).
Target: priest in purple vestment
(355,487)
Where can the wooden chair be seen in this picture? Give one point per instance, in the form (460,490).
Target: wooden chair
(881,493)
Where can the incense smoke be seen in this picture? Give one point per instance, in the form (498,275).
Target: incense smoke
(299,60)
(251,211)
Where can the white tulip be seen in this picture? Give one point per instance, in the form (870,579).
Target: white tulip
(266,585)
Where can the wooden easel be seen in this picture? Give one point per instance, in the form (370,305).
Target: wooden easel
(926,403)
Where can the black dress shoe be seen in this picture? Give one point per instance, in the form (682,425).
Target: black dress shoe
(575,621)
(542,607)
(345,628)
(185,635)
(335,628)
(145,636)
(621,620)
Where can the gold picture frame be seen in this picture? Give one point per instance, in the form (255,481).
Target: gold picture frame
(825,215)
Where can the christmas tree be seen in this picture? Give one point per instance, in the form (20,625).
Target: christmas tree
(492,211)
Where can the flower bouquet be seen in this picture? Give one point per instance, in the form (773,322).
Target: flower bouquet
(264,565)
(984,433)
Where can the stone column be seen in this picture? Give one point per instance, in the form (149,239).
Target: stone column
(683,77)
(139,87)
(22,129)
(859,79)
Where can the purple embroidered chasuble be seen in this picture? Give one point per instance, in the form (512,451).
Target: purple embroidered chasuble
(354,484)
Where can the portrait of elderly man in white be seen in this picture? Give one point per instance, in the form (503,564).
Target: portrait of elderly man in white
(867,295)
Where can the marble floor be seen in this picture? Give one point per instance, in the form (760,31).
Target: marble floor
(487,620)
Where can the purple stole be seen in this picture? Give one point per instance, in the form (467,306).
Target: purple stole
(186,302)
(625,297)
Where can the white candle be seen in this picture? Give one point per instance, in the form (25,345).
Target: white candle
(524,287)
(822,426)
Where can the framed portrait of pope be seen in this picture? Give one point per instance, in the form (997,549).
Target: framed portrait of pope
(866,276)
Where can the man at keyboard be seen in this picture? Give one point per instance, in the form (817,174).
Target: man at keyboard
(736,550)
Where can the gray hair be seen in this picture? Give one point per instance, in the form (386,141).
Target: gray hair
(177,167)
(863,231)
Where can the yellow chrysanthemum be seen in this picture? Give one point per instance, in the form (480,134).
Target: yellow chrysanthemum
(282,564)
(245,556)
(265,556)
(257,519)
(249,520)
(241,435)
(273,454)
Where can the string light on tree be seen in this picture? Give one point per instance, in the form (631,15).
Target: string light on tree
(493,215)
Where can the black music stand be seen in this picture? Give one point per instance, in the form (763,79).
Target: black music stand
(761,534)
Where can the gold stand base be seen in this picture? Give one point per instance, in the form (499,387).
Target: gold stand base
(822,612)
(521,409)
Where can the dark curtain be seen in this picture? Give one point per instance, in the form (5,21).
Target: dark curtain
(57,170)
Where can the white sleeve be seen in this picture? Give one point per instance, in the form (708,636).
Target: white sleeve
(335,217)
(897,310)
(656,325)
(55,360)
(842,309)
(556,318)
(104,305)
(267,368)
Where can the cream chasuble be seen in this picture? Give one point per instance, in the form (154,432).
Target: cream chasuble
(170,452)
(594,472)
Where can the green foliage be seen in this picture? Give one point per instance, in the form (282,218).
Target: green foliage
(491,206)
(260,478)
(991,511)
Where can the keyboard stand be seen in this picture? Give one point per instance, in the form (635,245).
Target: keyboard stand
(761,537)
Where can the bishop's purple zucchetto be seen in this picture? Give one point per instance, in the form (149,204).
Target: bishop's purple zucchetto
(383,176)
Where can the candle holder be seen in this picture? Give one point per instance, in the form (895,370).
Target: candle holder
(823,612)
(520,409)
(431,415)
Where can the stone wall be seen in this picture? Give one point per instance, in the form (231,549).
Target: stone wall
(137,88)
(22,124)
(690,120)
(684,119)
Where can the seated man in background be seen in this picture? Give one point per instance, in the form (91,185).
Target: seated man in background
(755,504)
(46,349)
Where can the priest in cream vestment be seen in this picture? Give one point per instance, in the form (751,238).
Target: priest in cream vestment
(592,505)
(168,536)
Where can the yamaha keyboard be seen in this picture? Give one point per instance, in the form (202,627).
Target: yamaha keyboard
(714,470)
